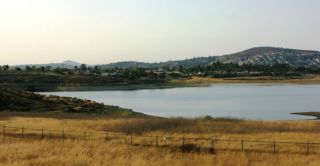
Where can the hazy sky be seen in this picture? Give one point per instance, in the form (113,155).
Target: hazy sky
(103,31)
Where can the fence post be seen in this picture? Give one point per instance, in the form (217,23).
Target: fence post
(183,143)
(242,141)
(274,146)
(62,134)
(22,132)
(212,146)
(131,138)
(42,134)
(85,135)
(156,141)
(107,136)
(4,132)
(308,148)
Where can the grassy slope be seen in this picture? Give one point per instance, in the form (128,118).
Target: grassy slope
(76,152)
(16,100)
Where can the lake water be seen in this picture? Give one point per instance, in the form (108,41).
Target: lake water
(248,101)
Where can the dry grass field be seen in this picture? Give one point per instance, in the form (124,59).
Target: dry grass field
(98,151)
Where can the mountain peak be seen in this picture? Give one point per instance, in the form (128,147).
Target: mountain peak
(71,63)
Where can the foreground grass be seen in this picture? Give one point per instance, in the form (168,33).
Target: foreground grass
(24,151)
(83,153)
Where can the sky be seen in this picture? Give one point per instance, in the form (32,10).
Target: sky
(104,31)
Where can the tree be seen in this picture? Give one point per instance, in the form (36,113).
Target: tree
(42,69)
(5,67)
(181,69)
(33,68)
(17,69)
(48,68)
(83,67)
(28,68)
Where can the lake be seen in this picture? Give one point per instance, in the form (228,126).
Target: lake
(248,101)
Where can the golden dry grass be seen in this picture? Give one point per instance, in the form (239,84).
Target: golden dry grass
(27,151)
(78,153)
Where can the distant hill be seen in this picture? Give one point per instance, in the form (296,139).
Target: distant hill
(257,55)
(271,55)
(66,64)
(127,64)
(71,63)
(202,61)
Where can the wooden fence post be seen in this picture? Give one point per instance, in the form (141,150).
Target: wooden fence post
(156,141)
(4,132)
(308,148)
(183,143)
(107,136)
(62,134)
(22,132)
(42,134)
(242,141)
(131,138)
(274,146)
(212,146)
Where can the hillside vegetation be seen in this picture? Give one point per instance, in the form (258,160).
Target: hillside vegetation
(253,56)
(55,82)
(271,55)
(16,100)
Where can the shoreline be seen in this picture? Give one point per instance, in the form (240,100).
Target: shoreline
(176,83)
(309,79)
(316,115)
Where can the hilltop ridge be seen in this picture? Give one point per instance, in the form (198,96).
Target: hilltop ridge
(272,55)
(256,55)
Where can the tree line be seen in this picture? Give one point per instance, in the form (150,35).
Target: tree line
(216,69)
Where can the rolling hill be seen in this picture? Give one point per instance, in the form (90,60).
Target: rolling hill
(68,64)
(257,55)
(271,55)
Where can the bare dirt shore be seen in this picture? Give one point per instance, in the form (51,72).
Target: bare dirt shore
(309,79)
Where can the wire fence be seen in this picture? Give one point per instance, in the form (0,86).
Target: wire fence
(186,144)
